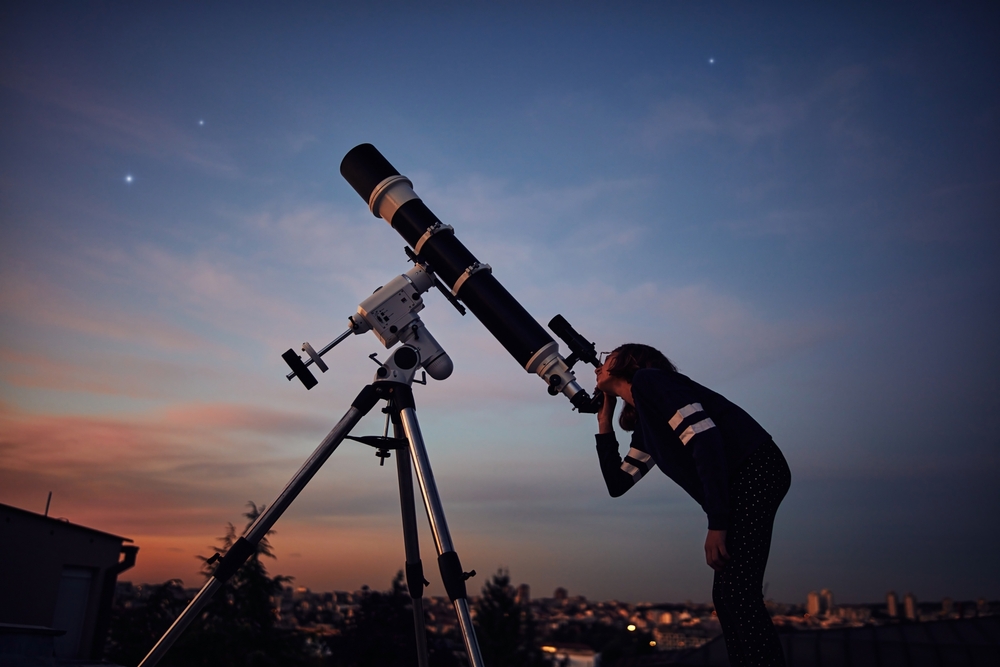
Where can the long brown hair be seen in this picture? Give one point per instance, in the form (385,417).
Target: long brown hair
(624,361)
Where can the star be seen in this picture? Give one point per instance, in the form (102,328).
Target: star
(711,61)
(201,122)
(128,178)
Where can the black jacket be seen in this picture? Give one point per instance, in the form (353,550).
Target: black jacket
(697,437)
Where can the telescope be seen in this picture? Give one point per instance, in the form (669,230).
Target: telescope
(390,196)
(392,314)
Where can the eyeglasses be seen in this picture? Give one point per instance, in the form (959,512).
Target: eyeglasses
(602,357)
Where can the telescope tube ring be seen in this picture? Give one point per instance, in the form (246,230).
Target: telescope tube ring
(436,228)
(468,273)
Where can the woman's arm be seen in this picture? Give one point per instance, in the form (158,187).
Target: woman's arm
(622,474)
(606,415)
(619,474)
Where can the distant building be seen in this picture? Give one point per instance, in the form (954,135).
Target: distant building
(968,642)
(560,594)
(910,609)
(57,584)
(813,603)
(523,595)
(947,606)
(891,604)
(826,601)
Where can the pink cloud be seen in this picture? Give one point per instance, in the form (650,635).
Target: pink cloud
(170,479)
(41,303)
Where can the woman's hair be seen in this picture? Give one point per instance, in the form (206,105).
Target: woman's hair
(624,361)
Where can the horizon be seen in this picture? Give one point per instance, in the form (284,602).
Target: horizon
(798,205)
(637,603)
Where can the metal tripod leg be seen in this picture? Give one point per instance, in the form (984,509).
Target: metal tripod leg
(247,544)
(451,568)
(414,567)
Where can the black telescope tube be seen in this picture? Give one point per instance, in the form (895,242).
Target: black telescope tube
(365,169)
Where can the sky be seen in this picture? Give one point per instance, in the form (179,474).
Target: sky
(798,205)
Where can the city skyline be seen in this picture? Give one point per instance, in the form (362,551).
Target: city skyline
(798,205)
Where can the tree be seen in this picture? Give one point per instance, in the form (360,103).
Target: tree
(136,627)
(237,628)
(379,632)
(504,628)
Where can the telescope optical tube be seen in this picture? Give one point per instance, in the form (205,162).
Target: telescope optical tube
(390,196)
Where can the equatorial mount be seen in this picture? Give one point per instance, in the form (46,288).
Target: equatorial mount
(391,314)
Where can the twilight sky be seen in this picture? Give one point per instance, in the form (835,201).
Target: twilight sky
(799,206)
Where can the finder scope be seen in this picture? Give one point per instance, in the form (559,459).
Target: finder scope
(390,196)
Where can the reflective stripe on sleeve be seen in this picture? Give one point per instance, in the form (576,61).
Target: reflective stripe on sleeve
(684,413)
(640,455)
(695,429)
(637,463)
(632,470)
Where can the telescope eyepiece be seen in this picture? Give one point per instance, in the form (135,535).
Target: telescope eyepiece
(580,347)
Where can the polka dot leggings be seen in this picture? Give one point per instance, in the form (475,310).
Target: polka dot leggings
(755,493)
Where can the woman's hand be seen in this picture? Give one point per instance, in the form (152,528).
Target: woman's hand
(715,550)
(606,415)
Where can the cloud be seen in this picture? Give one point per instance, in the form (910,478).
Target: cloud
(493,206)
(35,298)
(183,459)
(768,106)
(698,324)
(321,239)
(683,119)
(95,117)
(954,213)
(234,417)
(113,374)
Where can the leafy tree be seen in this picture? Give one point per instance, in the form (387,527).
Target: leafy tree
(135,629)
(237,628)
(506,629)
(379,632)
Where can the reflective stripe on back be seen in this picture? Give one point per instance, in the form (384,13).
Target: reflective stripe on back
(684,413)
(695,429)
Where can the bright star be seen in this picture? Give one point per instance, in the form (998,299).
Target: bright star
(201,122)
(128,179)
(711,61)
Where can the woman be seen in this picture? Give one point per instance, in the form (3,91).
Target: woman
(723,458)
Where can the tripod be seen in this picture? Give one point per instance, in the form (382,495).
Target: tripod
(393,383)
